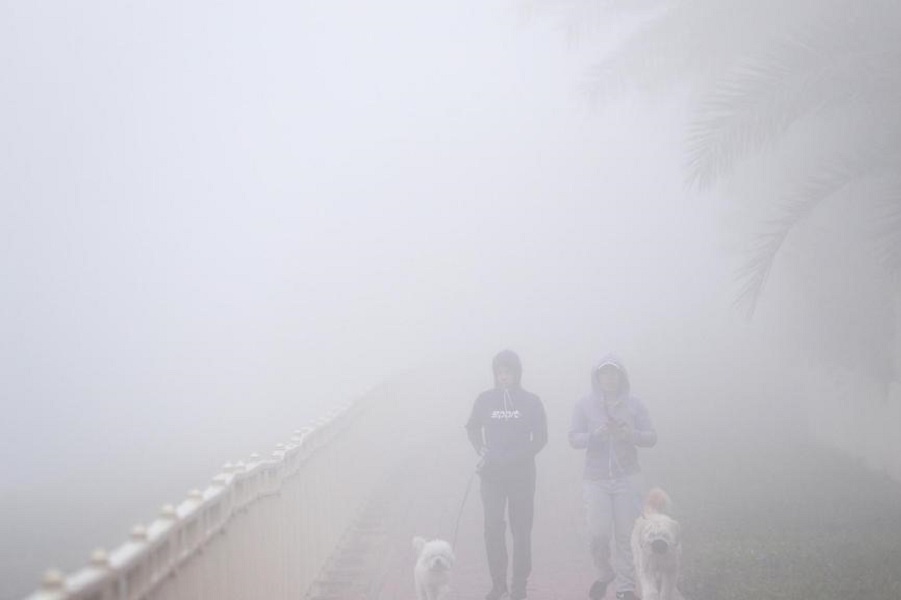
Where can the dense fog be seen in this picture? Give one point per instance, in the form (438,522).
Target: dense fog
(221,219)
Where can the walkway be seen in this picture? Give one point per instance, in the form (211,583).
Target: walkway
(767,517)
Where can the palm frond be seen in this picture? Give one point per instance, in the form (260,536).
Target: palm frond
(886,231)
(677,46)
(652,58)
(761,69)
(755,272)
(581,9)
(692,42)
(828,68)
(583,19)
(584,16)
(839,172)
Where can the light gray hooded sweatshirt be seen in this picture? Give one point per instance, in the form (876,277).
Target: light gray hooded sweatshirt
(608,458)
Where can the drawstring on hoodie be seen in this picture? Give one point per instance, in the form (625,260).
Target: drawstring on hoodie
(508,397)
(611,360)
(611,455)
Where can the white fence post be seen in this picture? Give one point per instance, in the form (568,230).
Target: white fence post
(261,529)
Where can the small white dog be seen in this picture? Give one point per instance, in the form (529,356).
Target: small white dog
(432,571)
(657,549)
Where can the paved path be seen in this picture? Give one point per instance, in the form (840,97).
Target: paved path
(761,515)
(424,499)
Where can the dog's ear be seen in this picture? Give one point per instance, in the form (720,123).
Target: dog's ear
(418,544)
(658,501)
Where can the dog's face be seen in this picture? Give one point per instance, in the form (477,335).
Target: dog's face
(435,555)
(659,534)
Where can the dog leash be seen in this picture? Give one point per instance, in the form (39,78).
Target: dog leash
(463,504)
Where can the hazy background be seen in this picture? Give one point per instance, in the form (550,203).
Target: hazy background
(220,219)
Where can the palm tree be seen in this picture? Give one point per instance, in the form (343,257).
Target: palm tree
(813,84)
(760,73)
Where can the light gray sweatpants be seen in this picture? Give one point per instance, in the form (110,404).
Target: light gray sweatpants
(611,507)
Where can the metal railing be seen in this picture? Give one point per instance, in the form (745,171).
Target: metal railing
(262,529)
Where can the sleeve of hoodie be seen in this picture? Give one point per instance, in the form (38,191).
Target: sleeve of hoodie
(474,426)
(643,434)
(579,436)
(539,427)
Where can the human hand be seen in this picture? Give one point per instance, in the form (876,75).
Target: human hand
(623,432)
(480,464)
(601,432)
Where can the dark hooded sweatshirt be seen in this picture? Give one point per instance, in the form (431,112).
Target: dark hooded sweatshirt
(509,425)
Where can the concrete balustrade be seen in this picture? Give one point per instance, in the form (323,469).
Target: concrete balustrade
(263,528)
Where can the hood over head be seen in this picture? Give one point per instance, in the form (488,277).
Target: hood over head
(510,360)
(610,360)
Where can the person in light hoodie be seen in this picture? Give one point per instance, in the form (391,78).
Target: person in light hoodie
(610,424)
(507,428)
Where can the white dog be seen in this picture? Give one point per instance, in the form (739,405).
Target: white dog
(657,548)
(432,571)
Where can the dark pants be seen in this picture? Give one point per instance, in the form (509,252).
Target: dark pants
(509,490)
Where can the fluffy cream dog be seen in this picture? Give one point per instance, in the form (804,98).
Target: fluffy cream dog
(432,571)
(657,548)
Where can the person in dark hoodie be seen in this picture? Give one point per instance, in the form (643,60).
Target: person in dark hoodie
(508,428)
(609,424)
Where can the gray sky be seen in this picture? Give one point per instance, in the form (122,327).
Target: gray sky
(219,218)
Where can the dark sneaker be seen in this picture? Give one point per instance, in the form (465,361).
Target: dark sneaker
(518,592)
(496,593)
(626,596)
(598,589)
